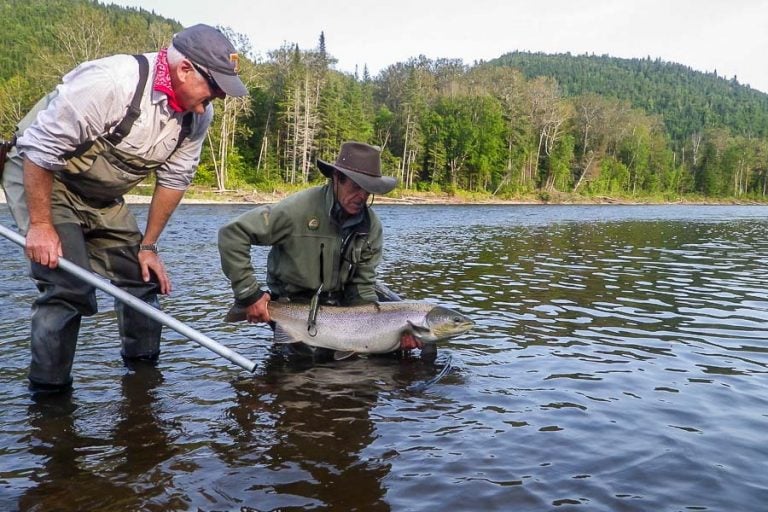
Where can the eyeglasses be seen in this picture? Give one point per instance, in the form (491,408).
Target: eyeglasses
(212,85)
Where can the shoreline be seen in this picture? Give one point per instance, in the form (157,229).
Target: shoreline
(256,198)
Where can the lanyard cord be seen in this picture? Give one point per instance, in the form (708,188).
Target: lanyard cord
(314,304)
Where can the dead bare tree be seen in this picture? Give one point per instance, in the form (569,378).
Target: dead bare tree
(548,113)
(87,35)
(221,136)
(696,139)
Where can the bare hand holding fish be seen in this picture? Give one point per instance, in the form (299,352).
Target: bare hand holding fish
(373,328)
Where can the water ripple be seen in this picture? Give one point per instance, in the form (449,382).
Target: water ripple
(618,363)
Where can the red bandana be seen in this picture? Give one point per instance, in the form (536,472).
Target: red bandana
(163,80)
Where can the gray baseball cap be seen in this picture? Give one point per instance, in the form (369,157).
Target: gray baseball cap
(208,47)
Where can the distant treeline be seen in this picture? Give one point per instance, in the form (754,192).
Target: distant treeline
(521,124)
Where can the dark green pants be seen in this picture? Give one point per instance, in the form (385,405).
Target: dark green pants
(103,238)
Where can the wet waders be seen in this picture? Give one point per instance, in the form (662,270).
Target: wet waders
(97,232)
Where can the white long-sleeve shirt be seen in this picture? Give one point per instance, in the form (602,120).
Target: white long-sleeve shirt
(93,98)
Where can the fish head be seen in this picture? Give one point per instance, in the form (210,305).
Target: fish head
(442,323)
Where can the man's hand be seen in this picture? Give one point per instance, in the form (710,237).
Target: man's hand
(258,311)
(409,342)
(43,245)
(150,262)
(164,202)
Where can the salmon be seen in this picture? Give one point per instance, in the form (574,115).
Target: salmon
(373,328)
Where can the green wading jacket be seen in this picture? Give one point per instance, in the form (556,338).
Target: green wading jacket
(307,249)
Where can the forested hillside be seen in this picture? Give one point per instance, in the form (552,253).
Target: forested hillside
(524,124)
(43,39)
(688,101)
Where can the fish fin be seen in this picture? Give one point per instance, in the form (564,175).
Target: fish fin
(282,336)
(340,355)
(417,329)
(235,314)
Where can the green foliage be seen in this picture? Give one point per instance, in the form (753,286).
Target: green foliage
(689,101)
(614,179)
(522,124)
(464,141)
(44,39)
(560,163)
(205,175)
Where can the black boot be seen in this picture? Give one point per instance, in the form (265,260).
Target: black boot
(56,314)
(140,335)
(44,388)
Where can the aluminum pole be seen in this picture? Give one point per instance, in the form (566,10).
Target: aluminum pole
(141,306)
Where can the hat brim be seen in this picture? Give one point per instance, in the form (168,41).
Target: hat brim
(230,84)
(371,184)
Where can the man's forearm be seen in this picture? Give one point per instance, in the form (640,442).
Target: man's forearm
(38,186)
(164,203)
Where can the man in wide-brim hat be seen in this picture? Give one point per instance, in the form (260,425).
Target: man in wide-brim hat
(362,164)
(326,241)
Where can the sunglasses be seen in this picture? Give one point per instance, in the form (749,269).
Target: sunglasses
(212,85)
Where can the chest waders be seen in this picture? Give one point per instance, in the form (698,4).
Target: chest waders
(99,233)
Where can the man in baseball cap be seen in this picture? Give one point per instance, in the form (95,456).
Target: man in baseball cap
(66,177)
(214,56)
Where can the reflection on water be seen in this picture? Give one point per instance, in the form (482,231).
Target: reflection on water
(80,454)
(618,363)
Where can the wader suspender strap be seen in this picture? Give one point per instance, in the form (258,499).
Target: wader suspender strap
(124,128)
(186,128)
(134,110)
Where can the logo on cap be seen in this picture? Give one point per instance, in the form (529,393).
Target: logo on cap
(235,59)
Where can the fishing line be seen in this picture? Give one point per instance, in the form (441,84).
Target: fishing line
(421,386)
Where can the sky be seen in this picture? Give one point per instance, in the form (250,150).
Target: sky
(726,36)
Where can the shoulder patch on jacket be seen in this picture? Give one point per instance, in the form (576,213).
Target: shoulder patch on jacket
(265,211)
(313,224)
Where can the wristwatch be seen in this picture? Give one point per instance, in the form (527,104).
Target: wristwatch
(148,247)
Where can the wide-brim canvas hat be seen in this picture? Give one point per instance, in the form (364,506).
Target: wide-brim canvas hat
(362,164)
(208,47)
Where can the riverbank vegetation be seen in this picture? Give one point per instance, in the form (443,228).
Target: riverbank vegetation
(523,127)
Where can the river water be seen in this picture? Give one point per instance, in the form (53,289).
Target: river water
(619,362)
